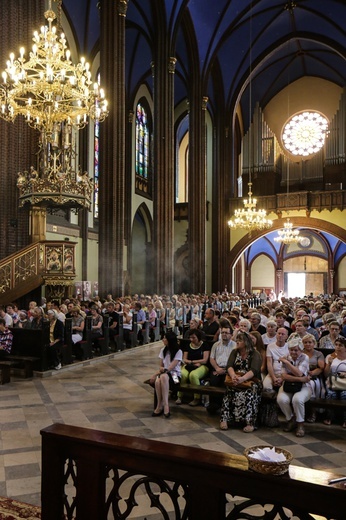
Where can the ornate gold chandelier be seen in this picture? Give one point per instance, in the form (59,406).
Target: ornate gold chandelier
(249,217)
(288,235)
(57,98)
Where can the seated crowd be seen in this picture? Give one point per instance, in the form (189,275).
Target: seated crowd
(289,350)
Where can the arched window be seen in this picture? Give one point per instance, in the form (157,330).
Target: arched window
(182,161)
(143,155)
(96,164)
(142,142)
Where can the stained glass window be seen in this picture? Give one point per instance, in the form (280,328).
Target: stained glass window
(142,142)
(96,164)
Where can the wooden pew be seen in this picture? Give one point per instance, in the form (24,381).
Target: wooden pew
(102,341)
(134,331)
(119,338)
(66,349)
(156,330)
(220,391)
(145,331)
(5,371)
(34,344)
(23,365)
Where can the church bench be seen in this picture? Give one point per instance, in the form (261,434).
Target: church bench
(32,343)
(220,390)
(327,403)
(5,371)
(24,364)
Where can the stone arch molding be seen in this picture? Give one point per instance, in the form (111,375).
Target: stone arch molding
(144,212)
(301,222)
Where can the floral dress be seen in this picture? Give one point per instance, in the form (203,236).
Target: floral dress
(240,406)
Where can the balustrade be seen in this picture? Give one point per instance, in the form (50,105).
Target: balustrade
(89,474)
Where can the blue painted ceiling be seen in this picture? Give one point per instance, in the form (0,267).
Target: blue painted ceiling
(283,40)
(227,42)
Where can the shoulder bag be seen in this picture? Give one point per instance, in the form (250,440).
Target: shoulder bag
(292,387)
(337,380)
(240,386)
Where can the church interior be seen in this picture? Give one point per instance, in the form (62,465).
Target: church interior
(139,174)
(198,94)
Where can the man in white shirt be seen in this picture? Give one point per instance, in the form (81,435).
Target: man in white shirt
(8,319)
(275,351)
(56,308)
(219,355)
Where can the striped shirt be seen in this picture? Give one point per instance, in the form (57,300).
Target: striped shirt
(6,338)
(221,352)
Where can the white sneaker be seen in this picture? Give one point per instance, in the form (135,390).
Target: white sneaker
(58,367)
(178,401)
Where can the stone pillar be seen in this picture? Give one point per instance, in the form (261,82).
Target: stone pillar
(331,280)
(112,150)
(279,282)
(222,191)
(197,188)
(163,175)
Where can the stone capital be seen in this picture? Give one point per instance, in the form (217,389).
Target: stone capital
(171,65)
(122,7)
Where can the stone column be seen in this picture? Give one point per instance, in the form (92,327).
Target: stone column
(163,175)
(197,189)
(222,191)
(112,150)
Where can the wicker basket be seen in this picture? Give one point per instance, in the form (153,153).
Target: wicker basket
(266,467)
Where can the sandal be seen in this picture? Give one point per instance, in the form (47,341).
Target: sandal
(249,428)
(223,425)
(311,418)
(300,431)
(328,422)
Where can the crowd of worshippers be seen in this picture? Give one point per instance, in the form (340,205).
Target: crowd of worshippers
(291,350)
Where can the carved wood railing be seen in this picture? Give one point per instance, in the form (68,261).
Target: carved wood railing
(306,200)
(89,474)
(46,262)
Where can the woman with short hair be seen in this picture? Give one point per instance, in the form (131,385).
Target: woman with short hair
(336,364)
(295,368)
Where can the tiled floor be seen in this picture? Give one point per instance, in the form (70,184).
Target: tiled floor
(108,394)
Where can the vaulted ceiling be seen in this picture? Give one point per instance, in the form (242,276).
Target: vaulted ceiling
(233,45)
(273,42)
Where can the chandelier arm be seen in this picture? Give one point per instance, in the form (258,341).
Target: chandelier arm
(55,97)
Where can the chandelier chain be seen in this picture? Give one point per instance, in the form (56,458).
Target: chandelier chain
(57,98)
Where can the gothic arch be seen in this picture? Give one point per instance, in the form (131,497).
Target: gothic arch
(301,222)
(141,274)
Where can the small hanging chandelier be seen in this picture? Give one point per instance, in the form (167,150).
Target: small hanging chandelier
(288,235)
(249,217)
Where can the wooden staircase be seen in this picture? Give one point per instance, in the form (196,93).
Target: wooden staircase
(50,263)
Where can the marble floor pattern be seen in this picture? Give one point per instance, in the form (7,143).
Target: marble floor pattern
(108,394)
